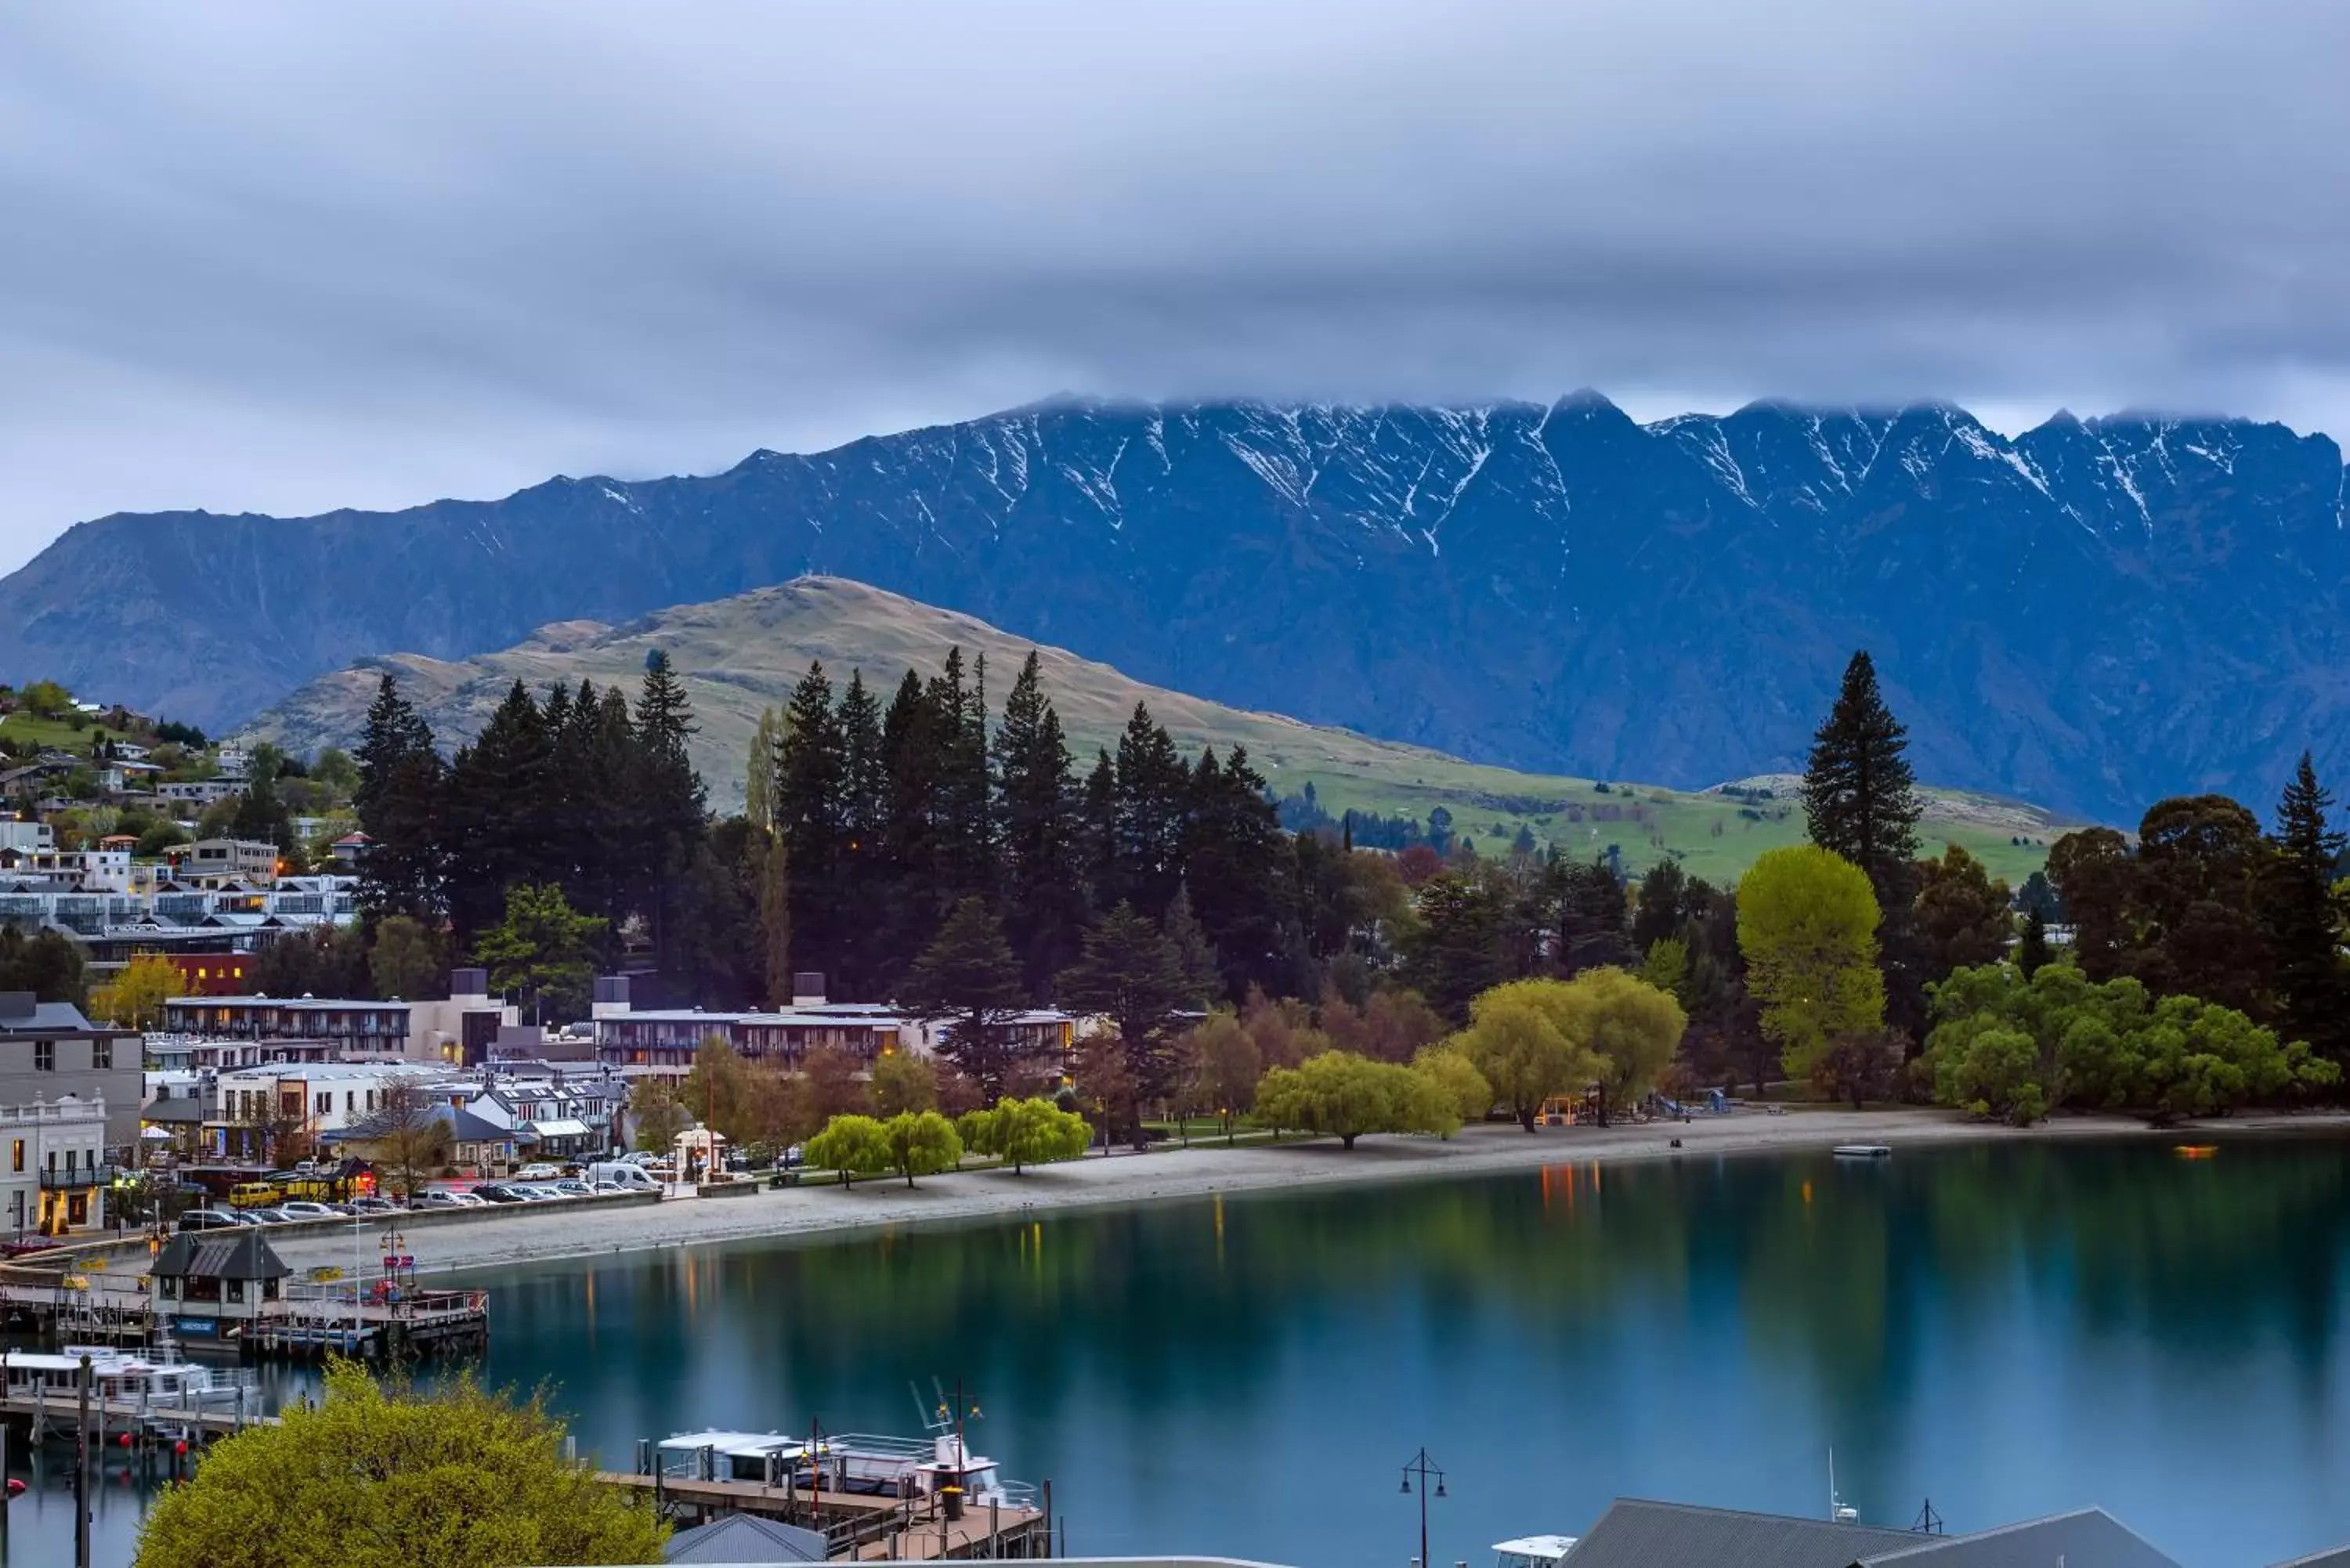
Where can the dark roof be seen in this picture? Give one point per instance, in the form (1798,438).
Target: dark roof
(2085,1538)
(2338,1557)
(1636,1534)
(175,1108)
(745,1538)
(52,1018)
(212,1255)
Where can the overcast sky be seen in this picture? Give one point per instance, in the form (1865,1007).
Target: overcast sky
(288,256)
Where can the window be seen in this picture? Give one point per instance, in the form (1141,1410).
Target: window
(53,1162)
(45,1055)
(350,1101)
(325,1101)
(18,1163)
(236,1290)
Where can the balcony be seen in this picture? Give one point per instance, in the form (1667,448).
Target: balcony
(74,1179)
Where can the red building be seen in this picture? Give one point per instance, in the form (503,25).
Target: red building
(212,975)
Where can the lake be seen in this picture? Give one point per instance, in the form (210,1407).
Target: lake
(2006,1329)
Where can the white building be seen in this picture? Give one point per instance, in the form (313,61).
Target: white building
(27,835)
(53,1171)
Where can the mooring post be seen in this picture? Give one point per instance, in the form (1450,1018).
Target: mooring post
(1048,1518)
(81,1473)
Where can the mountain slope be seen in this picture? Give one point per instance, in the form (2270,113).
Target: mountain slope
(2094,613)
(741,654)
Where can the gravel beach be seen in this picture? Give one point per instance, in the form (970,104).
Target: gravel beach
(524,1235)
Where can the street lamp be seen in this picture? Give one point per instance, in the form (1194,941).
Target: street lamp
(1422,1467)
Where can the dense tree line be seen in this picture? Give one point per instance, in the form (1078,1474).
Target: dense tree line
(894,815)
(584,791)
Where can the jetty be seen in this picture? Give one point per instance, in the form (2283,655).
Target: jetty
(856,1528)
(230,1291)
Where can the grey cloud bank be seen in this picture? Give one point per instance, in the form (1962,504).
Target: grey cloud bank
(282,258)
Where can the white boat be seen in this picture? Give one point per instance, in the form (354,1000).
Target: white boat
(1863,1151)
(1532,1551)
(114,1374)
(856,1463)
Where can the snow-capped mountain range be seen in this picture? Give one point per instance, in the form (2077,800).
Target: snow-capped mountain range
(2089,615)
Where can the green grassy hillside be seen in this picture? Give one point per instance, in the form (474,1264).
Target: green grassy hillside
(738,655)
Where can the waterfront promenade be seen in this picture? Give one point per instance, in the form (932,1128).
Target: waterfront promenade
(529,1235)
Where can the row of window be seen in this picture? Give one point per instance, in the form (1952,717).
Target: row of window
(74,1157)
(105,1056)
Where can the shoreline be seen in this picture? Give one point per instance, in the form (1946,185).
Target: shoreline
(825,1212)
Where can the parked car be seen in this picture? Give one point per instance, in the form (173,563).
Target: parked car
(210,1220)
(266,1214)
(572,1188)
(539,1171)
(373,1206)
(302,1209)
(499,1192)
(791,1157)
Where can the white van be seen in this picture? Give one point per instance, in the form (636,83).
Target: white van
(632,1177)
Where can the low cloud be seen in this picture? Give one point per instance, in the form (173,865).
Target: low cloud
(281,257)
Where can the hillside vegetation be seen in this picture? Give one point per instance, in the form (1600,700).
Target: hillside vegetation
(738,655)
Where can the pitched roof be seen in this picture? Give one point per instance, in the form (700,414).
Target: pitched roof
(2085,1538)
(745,1538)
(1637,1533)
(213,1255)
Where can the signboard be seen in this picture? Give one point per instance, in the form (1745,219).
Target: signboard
(197,1327)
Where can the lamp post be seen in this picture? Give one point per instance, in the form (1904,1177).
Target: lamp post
(1424,1467)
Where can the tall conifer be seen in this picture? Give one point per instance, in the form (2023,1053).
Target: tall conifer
(2304,917)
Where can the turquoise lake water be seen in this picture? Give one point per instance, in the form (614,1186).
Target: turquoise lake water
(2007,1329)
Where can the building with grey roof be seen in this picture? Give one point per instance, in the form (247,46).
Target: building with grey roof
(1637,1533)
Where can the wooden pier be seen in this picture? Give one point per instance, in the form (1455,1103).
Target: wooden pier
(857,1527)
(310,1320)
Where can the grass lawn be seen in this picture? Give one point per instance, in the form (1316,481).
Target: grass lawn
(22,729)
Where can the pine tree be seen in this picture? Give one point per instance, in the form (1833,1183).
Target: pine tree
(499,832)
(2032,949)
(1130,974)
(1241,871)
(969,977)
(1039,834)
(965,840)
(672,807)
(1860,802)
(811,779)
(862,879)
(400,800)
(912,896)
(2304,917)
(1154,793)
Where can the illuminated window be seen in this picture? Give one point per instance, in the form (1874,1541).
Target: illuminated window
(19,1161)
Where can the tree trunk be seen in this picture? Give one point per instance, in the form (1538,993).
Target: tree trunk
(1603,1104)
(1526,1117)
(1347,1140)
(910,1176)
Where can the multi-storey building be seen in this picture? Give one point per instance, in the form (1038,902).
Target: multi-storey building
(49,1052)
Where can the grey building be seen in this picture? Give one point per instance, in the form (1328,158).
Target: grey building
(49,1050)
(1634,1534)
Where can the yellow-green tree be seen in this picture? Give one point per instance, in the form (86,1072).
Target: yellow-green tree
(922,1143)
(134,999)
(1344,1095)
(656,1113)
(851,1145)
(1025,1132)
(453,1478)
(1629,1027)
(1454,1080)
(724,1091)
(1807,926)
(1519,1038)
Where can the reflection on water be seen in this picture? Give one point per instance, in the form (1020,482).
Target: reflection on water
(2008,1329)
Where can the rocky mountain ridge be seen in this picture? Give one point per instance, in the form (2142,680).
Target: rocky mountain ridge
(2089,615)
